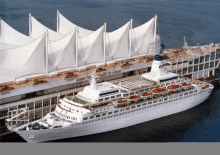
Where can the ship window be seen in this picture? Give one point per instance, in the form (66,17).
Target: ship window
(97,116)
(181,95)
(109,93)
(144,104)
(104,114)
(116,111)
(85,118)
(165,99)
(127,108)
(119,95)
(149,102)
(112,97)
(91,117)
(133,107)
(107,98)
(195,91)
(125,95)
(100,100)
(186,93)
(190,92)
(77,110)
(169,79)
(109,113)
(138,105)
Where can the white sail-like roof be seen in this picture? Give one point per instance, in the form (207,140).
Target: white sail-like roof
(142,36)
(117,43)
(22,61)
(4,46)
(36,29)
(62,53)
(12,36)
(91,48)
(65,26)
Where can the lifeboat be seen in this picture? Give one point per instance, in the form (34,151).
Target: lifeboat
(146,96)
(186,86)
(174,87)
(159,91)
(134,98)
(121,102)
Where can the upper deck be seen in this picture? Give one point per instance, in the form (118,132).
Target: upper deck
(188,53)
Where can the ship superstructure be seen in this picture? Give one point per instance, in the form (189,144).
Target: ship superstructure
(109,106)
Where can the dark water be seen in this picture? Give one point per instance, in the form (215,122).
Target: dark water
(198,20)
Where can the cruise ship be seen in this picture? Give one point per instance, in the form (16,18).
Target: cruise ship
(109,106)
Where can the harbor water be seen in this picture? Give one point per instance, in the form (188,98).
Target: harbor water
(198,20)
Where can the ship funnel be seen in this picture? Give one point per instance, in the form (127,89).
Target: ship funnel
(93,81)
(158,73)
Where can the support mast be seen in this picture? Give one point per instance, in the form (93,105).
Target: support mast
(130,39)
(155,33)
(104,40)
(58,20)
(30,26)
(77,33)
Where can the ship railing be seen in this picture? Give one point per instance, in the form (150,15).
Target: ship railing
(17,117)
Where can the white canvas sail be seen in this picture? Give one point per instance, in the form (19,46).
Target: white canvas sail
(36,64)
(65,26)
(117,43)
(62,53)
(12,36)
(4,46)
(37,29)
(142,36)
(91,48)
(24,60)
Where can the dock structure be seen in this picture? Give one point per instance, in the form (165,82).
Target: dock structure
(41,105)
(195,63)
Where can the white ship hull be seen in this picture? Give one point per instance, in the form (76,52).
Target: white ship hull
(139,115)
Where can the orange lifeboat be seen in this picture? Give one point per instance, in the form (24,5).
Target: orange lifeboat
(186,86)
(119,103)
(174,87)
(146,96)
(134,98)
(159,91)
